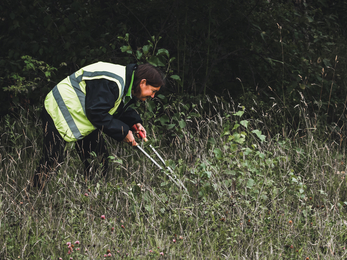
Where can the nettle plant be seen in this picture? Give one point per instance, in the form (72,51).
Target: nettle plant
(237,162)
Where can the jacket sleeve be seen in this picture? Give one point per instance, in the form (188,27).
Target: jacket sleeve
(130,117)
(101,95)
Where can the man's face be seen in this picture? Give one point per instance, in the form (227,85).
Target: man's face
(145,91)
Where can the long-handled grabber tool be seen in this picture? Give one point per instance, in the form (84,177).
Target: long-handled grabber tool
(175,179)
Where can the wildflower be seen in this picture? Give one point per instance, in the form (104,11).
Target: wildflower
(112,228)
(161,253)
(78,249)
(122,226)
(68,243)
(86,194)
(290,222)
(151,251)
(181,237)
(108,251)
(105,255)
(103,217)
(174,240)
(60,258)
(109,254)
(77,242)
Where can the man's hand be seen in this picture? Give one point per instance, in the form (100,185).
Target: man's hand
(130,139)
(140,128)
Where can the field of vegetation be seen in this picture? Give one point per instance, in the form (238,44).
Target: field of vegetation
(254,188)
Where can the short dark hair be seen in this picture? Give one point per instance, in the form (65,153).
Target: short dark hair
(153,75)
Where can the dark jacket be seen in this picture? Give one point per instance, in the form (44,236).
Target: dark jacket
(101,95)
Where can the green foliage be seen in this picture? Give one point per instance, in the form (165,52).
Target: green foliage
(22,85)
(149,53)
(30,83)
(248,195)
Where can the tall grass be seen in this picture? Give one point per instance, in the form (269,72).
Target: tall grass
(252,193)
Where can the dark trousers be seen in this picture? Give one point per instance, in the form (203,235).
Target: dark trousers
(53,152)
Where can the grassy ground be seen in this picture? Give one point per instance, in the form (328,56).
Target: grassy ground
(251,195)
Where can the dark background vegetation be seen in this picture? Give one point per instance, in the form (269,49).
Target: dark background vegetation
(253,49)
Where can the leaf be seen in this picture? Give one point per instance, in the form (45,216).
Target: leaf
(161,96)
(124,48)
(182,123)
(139,54)
(218,153)
(163,51)
(239,113)
(146,49)
(170,126)
(230,172)
(260,136)
(175,77)
(250,183)
(244,123)
(164,119)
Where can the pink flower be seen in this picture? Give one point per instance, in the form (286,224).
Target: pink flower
(105,255)
(150,251)
(69,252)
(122,226)
(112,228)
(78,249)
(77,242)
(109,254)
(103,217)
(60,258)
(68,243)
(86,194)
(174,240)
(161,253)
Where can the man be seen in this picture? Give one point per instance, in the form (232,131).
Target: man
(92,101)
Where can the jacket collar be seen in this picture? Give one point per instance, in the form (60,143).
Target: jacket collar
(130,68)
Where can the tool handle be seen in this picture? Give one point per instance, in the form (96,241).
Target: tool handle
(142,135)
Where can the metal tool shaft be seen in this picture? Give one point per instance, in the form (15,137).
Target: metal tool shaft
(161,159)
(148,156)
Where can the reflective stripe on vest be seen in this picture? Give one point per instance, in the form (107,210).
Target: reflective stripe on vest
(66,102)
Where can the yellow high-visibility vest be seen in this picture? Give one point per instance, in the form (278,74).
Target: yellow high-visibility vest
(65,103)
